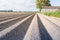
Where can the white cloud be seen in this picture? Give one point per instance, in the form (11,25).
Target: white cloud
(17,4)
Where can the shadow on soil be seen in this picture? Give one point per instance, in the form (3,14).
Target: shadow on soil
(43,32)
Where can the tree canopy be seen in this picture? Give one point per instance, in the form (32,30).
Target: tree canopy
(40,3)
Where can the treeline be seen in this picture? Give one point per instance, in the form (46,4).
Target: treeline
(6,10)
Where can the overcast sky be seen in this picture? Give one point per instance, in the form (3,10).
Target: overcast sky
(22,4)
(55,2)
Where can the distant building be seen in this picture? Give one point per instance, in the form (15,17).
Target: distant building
(50,8)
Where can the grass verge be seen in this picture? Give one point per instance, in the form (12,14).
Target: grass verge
(55,14)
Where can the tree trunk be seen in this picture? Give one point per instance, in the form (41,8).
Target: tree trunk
(40,10)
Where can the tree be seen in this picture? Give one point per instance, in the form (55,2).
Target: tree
(40,3)
(46,3)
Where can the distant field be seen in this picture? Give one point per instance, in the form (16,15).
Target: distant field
(55,14)
(4,14)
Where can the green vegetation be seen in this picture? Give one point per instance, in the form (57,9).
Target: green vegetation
(55,14)
(46,3)
(40,3)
